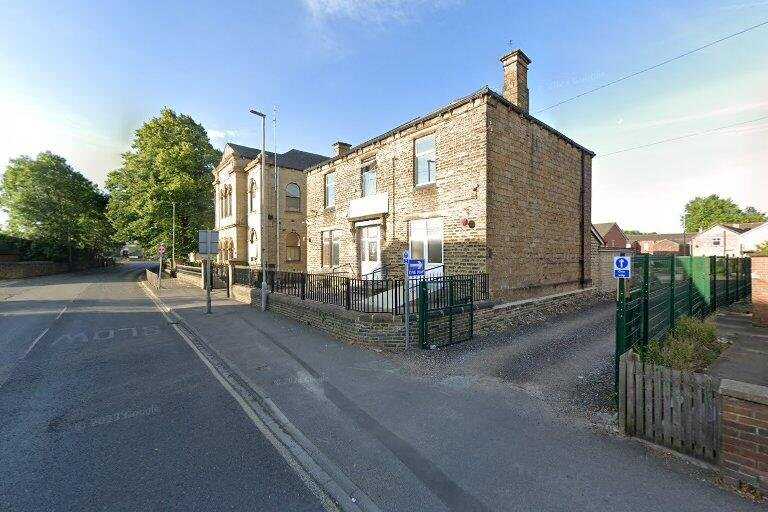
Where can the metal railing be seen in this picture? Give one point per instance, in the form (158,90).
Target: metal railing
(363,295)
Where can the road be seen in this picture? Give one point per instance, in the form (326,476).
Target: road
(103,406)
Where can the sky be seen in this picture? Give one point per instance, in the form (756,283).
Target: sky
(78,78)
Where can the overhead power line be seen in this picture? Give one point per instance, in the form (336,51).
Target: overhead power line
(649,68)
(672,139)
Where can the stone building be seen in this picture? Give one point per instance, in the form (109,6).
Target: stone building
(479,185)
(245,218)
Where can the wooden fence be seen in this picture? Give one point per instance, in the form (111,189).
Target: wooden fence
(675,409)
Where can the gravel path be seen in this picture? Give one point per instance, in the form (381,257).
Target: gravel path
(566,361)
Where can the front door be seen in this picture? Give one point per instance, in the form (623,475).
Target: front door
(370,252)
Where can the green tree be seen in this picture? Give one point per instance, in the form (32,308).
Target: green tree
(705,212)
(170,161)
(51,204)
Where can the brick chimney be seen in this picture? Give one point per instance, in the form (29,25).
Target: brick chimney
(516,78)
(341,148)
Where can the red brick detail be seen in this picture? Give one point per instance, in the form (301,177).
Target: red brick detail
(760,290)
(744,451)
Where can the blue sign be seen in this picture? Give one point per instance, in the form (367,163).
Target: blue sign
(415,268)
(622,267)
(406,256)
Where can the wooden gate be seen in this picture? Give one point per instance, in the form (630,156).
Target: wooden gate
(675,409)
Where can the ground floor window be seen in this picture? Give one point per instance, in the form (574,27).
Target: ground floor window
(292,247)
(330,248)
(426,240)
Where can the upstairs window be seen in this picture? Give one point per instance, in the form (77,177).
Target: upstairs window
(330,189)
(292,198)
(425,160)
(368,177)
(292,247)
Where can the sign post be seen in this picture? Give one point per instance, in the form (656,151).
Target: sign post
(208,244)
(412,268)
(622,267)
(160,253)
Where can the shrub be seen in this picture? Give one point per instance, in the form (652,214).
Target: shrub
(691,345)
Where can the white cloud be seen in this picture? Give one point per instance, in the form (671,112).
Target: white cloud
(325,15)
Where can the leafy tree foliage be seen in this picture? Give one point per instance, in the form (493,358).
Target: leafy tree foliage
(54,207)
(705,212)
(170,160)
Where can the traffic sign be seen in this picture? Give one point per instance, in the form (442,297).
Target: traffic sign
(415,268)
(622,267)
(406,255)
(207,242)
(161,249)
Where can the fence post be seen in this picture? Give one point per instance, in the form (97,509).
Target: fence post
(727,284)
(713,283)
(672,283)
(303,285)
(621,331)
(348,294)
(690,286)
(646,291)
(738,277)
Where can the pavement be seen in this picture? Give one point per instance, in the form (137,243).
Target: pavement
(104,406)
(746,360)
(408,439)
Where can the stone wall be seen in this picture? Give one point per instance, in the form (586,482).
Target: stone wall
(539,206)
(603,279)
(21,269)
(760,290)
(491,318)
(744,453)
(375,330)
(195,280)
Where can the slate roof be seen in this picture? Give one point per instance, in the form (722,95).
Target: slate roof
(742,227)
(604,227)
(293,159)
(450,106)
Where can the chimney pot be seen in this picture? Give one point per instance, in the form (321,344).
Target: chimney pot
(341,148)
(516,78)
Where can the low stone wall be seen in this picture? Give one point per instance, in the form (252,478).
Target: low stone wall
(195,280)
(491,318)
(21,269)
(744,452)
(376,330)
(385,330)
(151,277)
(760,290)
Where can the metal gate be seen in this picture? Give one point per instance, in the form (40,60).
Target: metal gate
(446,312)
(220,277)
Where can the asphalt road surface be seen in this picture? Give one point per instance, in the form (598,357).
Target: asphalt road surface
(103,406)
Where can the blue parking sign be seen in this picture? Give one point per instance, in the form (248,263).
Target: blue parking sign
(415,268)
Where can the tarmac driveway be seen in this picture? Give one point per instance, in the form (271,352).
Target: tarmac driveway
(566,361)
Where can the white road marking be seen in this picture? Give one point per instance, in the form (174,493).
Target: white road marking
(35,342)
(61,312)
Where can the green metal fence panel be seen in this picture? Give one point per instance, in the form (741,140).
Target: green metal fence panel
(663,289)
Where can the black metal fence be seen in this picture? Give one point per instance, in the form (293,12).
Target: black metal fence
(363,295)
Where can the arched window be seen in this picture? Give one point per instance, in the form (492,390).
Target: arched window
(292,247)
(292,198)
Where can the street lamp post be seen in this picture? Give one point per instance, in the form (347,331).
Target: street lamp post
(173,237)
(262,243)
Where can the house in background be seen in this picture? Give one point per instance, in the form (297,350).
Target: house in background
(729,239)
(244,216)
(662,244)
(613,235)
(754,238)
(479,185)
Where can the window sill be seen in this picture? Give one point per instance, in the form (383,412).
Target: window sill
(329,208)
(429,185)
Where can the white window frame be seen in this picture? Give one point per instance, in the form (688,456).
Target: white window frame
(423,225)
(431,172)
(370,169)
(330,200)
